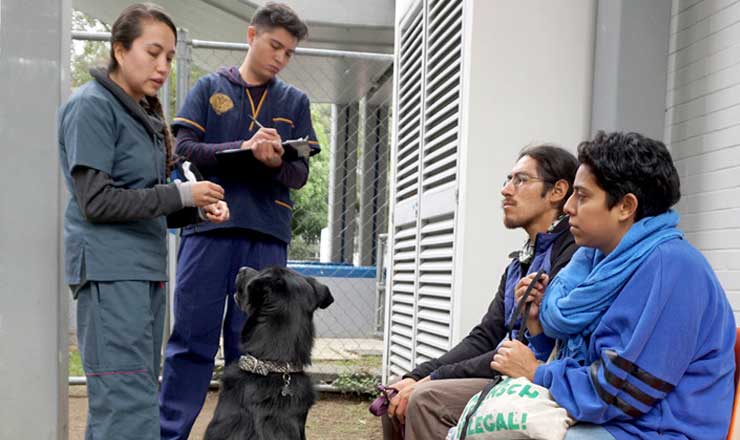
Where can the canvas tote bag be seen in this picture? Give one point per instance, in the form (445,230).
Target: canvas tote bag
(513,408)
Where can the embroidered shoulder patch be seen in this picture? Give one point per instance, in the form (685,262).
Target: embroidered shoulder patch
(221,103)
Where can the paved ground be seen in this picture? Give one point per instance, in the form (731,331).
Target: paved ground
(345,349)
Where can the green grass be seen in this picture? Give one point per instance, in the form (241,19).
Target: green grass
(75,363)
(356,376)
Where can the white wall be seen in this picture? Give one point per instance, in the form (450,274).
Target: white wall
(528,78)
(702,128)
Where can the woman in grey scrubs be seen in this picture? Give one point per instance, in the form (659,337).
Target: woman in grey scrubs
(116,154)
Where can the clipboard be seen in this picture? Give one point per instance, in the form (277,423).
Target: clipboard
(238,161)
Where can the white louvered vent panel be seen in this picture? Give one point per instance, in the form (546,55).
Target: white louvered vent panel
(402,315)
(442,93)
(407,165)
(410,79)
(427,134)
(435,288)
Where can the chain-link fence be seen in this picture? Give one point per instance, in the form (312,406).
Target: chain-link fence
(341,215)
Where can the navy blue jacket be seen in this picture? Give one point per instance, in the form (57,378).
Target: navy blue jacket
(216,112)
(472,356)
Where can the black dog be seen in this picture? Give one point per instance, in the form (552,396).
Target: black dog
(266,395)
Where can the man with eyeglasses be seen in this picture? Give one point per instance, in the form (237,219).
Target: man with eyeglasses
(431,398)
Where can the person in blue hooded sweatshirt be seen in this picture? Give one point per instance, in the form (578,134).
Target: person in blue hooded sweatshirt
(247,108)
(644,332)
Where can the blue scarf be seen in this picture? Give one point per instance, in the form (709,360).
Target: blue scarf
(583,291)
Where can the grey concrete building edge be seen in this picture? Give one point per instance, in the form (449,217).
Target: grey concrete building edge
(630,66)
(33,301)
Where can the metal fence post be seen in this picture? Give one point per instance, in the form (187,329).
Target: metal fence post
(342,182)
(380,281)
(182,85)
(164,98)
(183,68)
(373,183)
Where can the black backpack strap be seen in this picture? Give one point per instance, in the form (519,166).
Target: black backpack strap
(483,393)
(523,327)
(523,304)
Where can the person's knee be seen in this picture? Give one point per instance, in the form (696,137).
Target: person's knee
(186,347)
(425,398)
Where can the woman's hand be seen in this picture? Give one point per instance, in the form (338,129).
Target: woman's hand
(515,359)
(217,212)
(206,193)
(535,298)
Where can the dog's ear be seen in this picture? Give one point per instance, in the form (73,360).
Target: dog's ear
(243,277)
(323,295)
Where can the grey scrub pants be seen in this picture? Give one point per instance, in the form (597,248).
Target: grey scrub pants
(119,332)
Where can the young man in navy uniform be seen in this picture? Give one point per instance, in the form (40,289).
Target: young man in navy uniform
(219,114)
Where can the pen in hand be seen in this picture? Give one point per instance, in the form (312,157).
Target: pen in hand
(271,159)
(256,121)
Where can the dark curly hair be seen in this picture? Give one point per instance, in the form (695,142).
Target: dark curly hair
(624,163)
(273,15)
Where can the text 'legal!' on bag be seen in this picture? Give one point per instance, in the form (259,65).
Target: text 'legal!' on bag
(513,409)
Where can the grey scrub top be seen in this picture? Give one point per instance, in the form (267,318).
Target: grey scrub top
(97,131)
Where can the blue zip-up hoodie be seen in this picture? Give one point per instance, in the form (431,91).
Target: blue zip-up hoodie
(660,363)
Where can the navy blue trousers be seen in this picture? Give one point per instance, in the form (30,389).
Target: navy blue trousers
(206,269)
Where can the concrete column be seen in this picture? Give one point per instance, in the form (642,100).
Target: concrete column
(630,66)
(373,199)
(343,182)
(34,60)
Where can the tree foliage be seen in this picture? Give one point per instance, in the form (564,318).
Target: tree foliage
(311,201)
(87,54)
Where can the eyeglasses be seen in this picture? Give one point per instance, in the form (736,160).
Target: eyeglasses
(520,179)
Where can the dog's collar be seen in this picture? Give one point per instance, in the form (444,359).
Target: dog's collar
(251,364)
